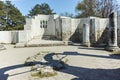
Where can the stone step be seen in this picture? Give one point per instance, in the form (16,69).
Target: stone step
(37,37)
(44,45)
(22,45)
(49,38)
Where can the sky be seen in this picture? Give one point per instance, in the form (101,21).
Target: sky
(58,6)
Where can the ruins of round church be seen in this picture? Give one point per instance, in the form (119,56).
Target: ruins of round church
(92,31)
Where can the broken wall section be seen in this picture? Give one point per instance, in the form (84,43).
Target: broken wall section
(72,29)
(118,31)
(98,30)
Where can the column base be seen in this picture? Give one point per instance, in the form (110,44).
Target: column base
(112,48)
(86,44)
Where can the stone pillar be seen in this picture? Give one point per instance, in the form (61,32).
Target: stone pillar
(86,35)
(112,45)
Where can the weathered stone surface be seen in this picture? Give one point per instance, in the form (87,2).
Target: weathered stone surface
(118,37)
(43,71)
(86,33)
(2,47)
(46,69)
(112,45)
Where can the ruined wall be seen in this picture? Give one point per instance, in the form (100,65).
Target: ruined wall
(72,29)
(9,36)
(50,30)
(66,29)
(77,29)
(75,36)
(24,36)
(119,31)
(41,25)
(103,31)
(38,28)
(98,30)
(58,28)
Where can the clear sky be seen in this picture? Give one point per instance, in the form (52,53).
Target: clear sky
(59,6)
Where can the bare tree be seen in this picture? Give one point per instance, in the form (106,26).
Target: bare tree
(105,7)
(86,8)
(100,8)
(67,14)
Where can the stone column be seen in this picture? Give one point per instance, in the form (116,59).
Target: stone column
(86,35)
(112,45)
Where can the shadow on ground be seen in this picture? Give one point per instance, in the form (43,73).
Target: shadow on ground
(81,73)
(92,48)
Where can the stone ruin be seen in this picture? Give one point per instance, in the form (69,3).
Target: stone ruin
(91,31)
(112,35)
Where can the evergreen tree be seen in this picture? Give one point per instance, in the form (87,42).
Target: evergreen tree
(44,8)
(67,14)
(11,17)
(2,14)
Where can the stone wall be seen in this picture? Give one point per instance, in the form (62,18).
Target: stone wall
(119,36)
(119,31)
(66,29)
(76,35)
(24,36)
(41,25)
(58,28)
(63,28)
(15,36)
(72,29)
(9,37)
(98,30)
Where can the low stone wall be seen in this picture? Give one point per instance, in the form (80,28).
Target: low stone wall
(8,36)
(24,36)
(14,36)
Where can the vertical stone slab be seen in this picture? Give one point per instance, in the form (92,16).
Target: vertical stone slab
(93,31)
(58,28)
(66,29)
(86,35)
(112,45)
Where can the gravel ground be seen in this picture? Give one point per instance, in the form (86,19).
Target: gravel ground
(83,63)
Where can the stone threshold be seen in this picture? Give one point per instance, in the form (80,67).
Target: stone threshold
(22,45)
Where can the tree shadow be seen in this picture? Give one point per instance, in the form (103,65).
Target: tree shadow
(80,73)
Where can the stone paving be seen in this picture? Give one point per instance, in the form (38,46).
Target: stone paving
(83,63)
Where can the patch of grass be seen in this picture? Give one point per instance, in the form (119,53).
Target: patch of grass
(28,58)
(66,60)
(44,52)
(46,74)
(29,61)
(32,68)
(38,53)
